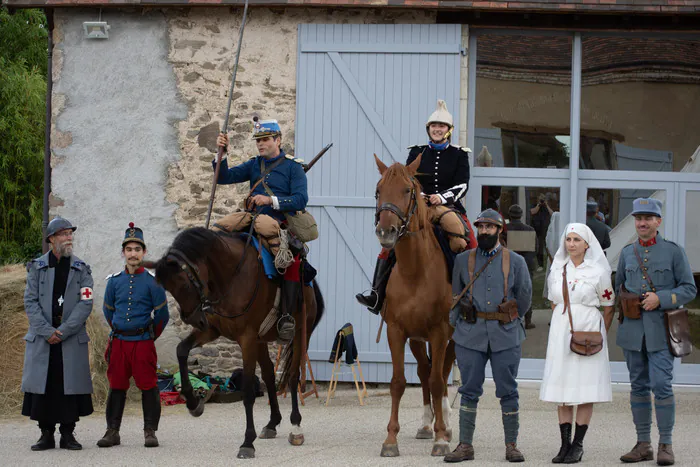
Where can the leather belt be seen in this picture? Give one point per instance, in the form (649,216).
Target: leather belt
(495,316)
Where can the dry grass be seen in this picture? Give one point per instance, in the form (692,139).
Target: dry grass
(13,327)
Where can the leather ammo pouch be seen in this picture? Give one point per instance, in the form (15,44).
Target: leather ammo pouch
(467,310)
(676,322)
(630,304)
(509,308)
(466,307)
(584,343)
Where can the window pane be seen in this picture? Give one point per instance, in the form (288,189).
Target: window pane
(523,101)
(640,103)
(692,249)
(531,247)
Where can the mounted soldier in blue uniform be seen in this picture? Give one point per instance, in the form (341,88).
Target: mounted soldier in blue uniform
(653,276)
(444,178)
(278,198)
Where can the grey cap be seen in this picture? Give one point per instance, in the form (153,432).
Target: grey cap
(591,206)
(646,206)
(56,225)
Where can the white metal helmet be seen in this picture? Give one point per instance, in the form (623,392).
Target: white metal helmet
(441,115)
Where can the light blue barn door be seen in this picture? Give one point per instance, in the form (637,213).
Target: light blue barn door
(367,89)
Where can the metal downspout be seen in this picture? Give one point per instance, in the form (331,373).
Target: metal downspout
(47,131)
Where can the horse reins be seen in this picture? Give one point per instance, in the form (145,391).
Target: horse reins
(192,272)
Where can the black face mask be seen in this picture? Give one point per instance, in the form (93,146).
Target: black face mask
(487,242)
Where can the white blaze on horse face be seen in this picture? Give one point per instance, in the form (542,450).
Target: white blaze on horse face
(446,411)
(427,416)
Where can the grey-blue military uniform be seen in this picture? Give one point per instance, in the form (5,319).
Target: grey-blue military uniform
(644,340)
(486,340)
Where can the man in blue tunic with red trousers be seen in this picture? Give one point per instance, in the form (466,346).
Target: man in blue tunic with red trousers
(136,309)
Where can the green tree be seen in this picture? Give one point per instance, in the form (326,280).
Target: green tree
(23,68)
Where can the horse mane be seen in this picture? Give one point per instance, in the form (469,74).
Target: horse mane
(205,246)
(399,172)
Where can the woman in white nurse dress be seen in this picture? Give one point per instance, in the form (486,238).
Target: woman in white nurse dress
(571,379)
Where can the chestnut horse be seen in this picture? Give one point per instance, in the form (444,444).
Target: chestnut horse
(418,298)
(222,290)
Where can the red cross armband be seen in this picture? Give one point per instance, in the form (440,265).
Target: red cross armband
(86,293)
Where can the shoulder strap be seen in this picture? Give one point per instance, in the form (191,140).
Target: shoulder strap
(505,263)
(263,174)
(645,274)
(473,277)
(567,303)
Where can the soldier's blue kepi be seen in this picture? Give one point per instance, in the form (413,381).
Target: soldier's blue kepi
(265,128)
(133,234)
(489,216)
(56,225)
(646,206)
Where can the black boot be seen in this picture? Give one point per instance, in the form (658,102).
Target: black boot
(576,450)
(68,440)
(290,304)
(375,299)
(46,441)
(116,400)
(565,430)
(150,400)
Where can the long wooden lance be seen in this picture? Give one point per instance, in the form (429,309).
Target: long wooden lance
(222,150)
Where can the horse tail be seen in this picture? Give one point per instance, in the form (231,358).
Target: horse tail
(288,352)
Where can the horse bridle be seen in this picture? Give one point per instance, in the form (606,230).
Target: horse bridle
(192,272)
(394,209)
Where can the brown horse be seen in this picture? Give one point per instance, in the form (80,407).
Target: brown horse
(418,298)
(222,290)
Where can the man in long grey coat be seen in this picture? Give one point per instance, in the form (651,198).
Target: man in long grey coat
(56,377)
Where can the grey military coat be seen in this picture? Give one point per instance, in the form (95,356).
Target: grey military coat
(673,278)
(76,309)
(488,294)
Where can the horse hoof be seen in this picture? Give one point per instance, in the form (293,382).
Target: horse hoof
(246,453)
(296,440)
(198,411)
(267,433)
(390,450)
(424,433)
(440,449)
(448,435)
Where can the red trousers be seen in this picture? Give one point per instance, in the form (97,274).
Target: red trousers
(132,358)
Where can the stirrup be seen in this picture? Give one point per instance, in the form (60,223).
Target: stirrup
(372,308)
(286,327)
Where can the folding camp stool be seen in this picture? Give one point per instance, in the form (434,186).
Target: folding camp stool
(335,375)
(302,395)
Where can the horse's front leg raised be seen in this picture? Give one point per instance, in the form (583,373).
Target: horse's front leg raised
(267,370)
(437,389)
(397,345)
(194,404)
(249,349)
(418,350)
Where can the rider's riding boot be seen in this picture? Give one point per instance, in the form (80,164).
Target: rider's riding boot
(290,299)
(115,409)
(375,299)
(150,400)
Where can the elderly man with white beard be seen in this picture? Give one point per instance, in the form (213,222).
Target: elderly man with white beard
(56,378)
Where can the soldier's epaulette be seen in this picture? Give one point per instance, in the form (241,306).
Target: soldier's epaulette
(292,158)
(460,147)
(417,146)
(112,275)
(151,273)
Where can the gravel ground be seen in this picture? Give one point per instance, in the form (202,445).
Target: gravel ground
(346,434)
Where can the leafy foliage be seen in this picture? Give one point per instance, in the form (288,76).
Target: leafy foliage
(23,68)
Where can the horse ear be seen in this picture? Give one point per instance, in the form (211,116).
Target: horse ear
(380,165)
(413,166)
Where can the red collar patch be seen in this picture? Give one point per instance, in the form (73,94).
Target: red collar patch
(648,243)
(138,271)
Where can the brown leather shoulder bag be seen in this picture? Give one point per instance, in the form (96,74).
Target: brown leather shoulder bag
(584,343)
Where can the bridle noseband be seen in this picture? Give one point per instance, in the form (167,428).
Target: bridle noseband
(394,209)
(192,272)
